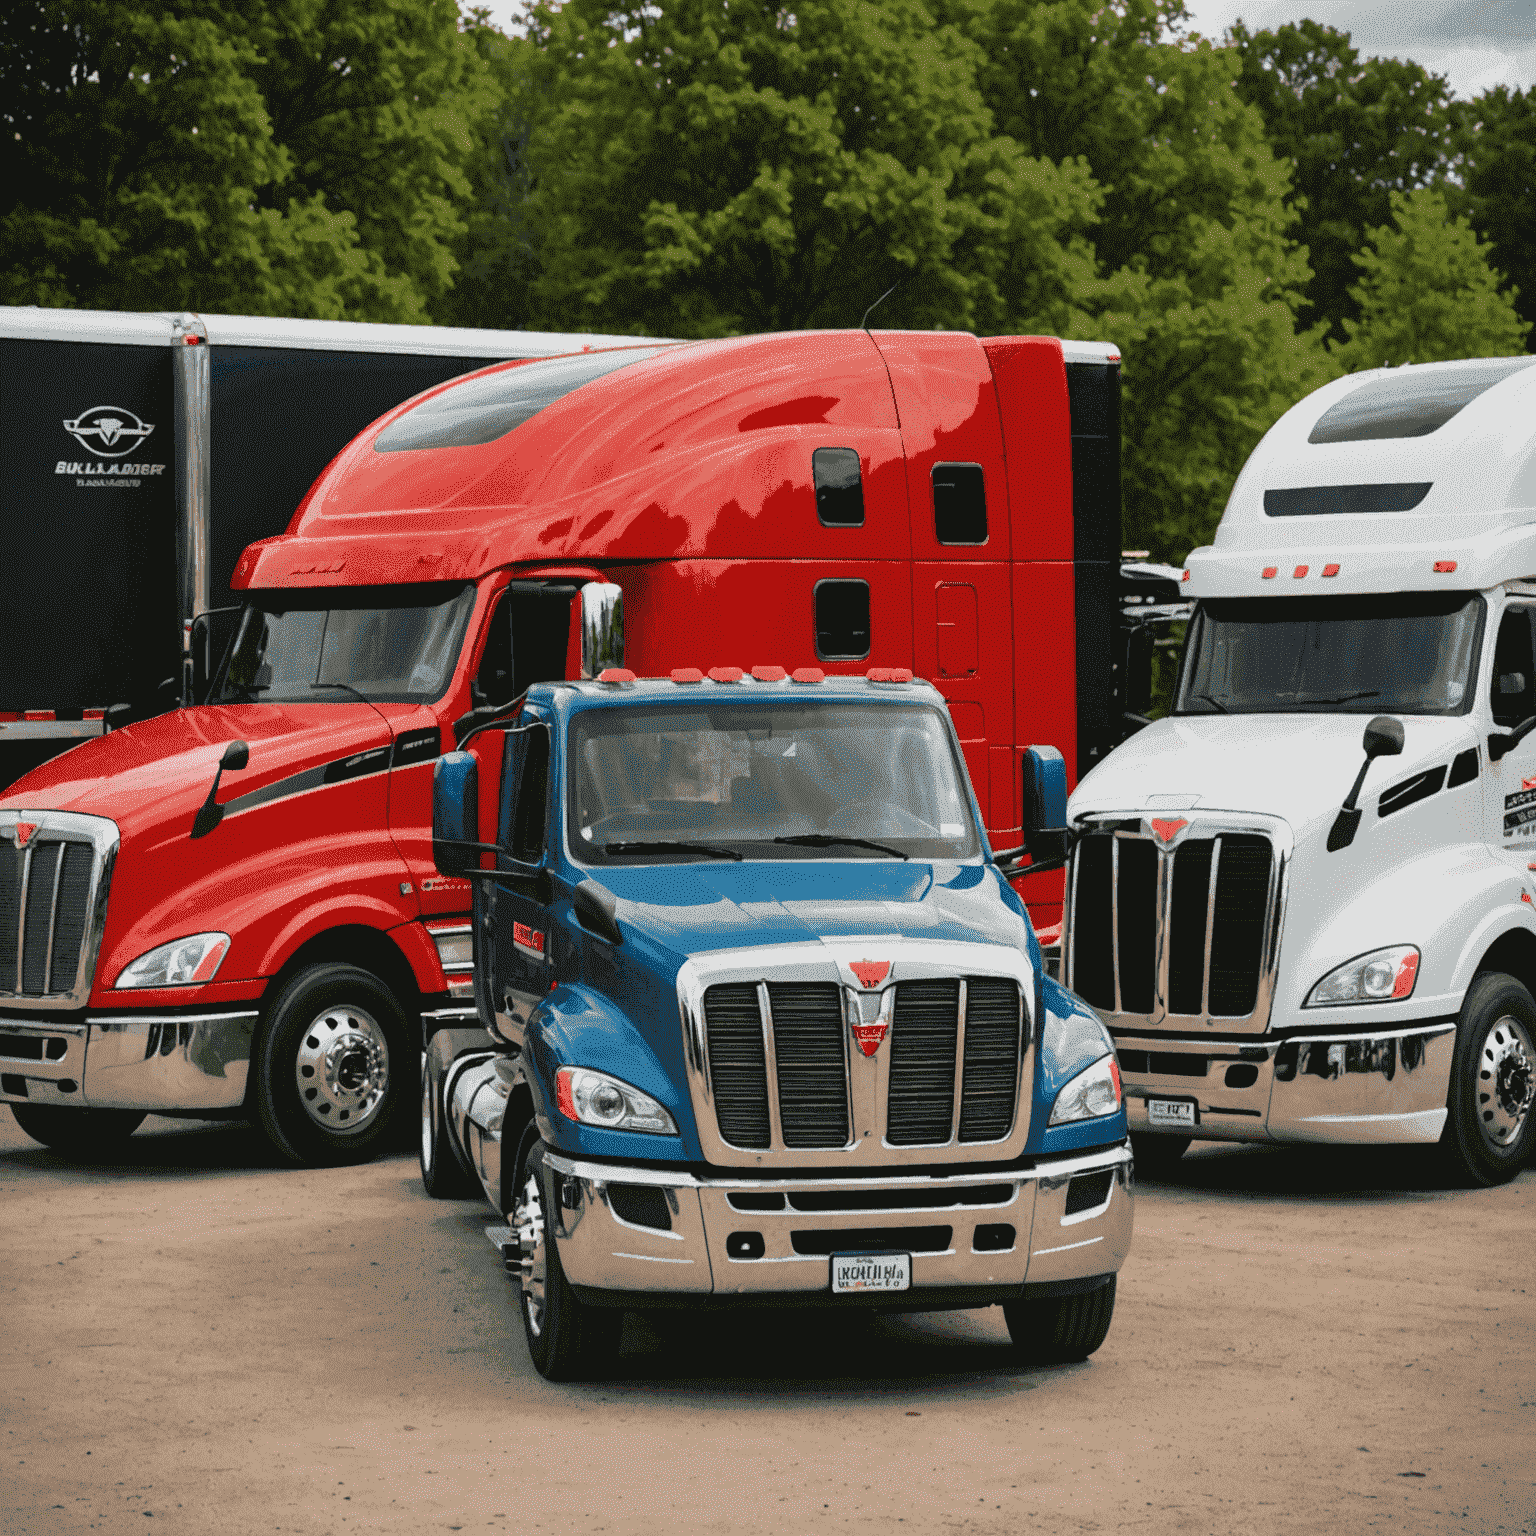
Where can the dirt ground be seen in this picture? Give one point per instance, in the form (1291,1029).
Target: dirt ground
(1304,1341)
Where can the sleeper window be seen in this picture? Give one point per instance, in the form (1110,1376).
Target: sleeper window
(959,504)
(842,620)
(839,488)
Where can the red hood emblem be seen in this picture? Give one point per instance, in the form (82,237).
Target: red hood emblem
(24,831)
(868,1036)
(1528,783)
(1166,831)
(870,973)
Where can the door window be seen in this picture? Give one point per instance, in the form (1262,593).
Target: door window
(528,812)
(1513,693)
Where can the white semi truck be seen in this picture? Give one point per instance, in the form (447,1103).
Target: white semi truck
(1304,902)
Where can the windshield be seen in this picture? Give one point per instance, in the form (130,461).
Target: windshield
(794,780)
(386,643)
(1406,653)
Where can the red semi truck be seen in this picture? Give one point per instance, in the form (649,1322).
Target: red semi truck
(233,909)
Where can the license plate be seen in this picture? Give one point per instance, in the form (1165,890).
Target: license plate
(855,1274)
(1174,1114)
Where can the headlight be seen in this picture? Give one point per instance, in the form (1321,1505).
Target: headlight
(594,1098)
(182,963)
(1383,976)
(1090,1094)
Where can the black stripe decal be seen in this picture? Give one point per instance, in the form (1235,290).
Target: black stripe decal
(412,747)
(1420,787)
(1463,769)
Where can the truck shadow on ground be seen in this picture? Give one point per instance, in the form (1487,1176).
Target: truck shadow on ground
(163,1147)
(1308,1173)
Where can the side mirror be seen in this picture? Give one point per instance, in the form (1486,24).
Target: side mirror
(236,755)
(1384,737)
(210,813)
(456,814)
(1045,815)
(602,627)
(1136,692)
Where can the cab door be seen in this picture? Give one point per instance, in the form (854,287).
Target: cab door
(515,933)
(1511,805)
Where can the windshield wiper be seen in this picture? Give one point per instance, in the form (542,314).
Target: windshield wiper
(828,840)
(1340,698)
(363,697)
(664,846)
(1215,703)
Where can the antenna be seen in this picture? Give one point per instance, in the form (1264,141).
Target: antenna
(864,323)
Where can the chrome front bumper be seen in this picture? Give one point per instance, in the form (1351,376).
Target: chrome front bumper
(149,1061)
(609,1257)
(1341,1086)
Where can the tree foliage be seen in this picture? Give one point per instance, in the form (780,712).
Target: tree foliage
(1427,293)
(287,157)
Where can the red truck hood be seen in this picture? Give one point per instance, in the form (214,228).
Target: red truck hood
(154,775)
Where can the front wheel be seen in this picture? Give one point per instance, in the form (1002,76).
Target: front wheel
(1057,1330)
(568,1339)
(1490,1126)
(83,1133)
(331,1066)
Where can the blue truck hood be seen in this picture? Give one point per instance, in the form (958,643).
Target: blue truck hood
(693,908)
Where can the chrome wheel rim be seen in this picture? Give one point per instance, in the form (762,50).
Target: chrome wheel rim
(528,1223)
(1506,1081)
(427,1127)
(342,1069)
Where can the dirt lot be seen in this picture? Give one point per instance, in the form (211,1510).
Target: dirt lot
(1303,1342)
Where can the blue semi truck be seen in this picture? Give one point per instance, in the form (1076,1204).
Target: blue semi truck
(764,1022)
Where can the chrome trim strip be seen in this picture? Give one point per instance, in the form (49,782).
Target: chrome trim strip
(1114,914)
(51,730)
(770,1065)
(954,1113)
(33,1027)
(110,1021)
(53,918)
(1210,927)
(102,836)
(1040,1253)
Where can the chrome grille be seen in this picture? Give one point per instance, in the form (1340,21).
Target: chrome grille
(1188,931)
(779,1061)
(52,897)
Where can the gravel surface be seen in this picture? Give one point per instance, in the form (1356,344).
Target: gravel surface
(1305,1341)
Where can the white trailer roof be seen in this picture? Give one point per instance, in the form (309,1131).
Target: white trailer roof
(1398,479)
(158,330)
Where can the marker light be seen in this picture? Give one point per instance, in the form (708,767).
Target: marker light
(1270,572)
(725,674)
(808,675)
(1185,576)
(1090,1094)
(1330,570)
(687,675)
(1299,572)
(769,674)
(889,675)
(1445,567)
(615,675)
(1382,976)
(181,963)
(594,1098)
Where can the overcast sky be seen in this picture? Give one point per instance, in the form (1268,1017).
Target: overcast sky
(1476,43)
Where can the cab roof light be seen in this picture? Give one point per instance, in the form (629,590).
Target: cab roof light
(1330,570)
(687,675)
(1185,576)
(615,675)
(725,674)
(1270,572)
(769,674)
(1445,567)
(1299,572)
(889,675)
(807,675)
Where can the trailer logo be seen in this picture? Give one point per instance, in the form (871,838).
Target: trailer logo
(108,430)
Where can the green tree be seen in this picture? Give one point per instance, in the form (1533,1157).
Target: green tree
(701,169)
(1496,136)
(280,158)
(1427,292)
(1354,130)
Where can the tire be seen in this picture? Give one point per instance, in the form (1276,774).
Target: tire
(1491,1125)
(1058,1330)
(568,1340)
(443,1176)
(81,1133)
(332,1081)
(1156,1155)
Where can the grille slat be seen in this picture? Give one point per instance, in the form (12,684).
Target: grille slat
(70,923)
(812,1063)
(738,1072)
(990,1085)
(39,918)
(10,912)
(925,1031)
(1244,871)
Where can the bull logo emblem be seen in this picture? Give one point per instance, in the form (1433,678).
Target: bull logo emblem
(109,430)
(21,833)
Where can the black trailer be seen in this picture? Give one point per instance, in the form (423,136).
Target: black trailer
(143,452)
